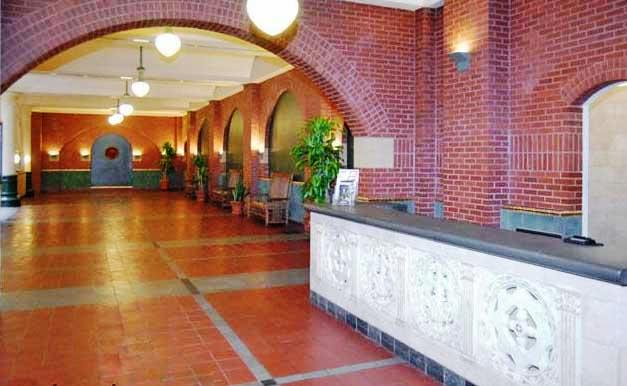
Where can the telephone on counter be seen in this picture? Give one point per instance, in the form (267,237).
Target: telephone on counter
(582,240)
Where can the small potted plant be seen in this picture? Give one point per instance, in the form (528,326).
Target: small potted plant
(319,158)
(239,194)
(166,165)
(201,176)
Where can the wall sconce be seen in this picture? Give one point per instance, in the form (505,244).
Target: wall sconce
(17,158)
(461,56)
(27,159)
(85,155)
(263,156)
(53,155)
(137,155)
(461,60)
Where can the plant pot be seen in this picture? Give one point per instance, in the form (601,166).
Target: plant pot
(236,207)
(164,183)
(200,195)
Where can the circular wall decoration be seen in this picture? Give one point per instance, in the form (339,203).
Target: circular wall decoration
(112,153)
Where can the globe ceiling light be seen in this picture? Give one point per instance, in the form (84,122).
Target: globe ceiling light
(140,87)
(273,17)
(116,118)
(126,108)
(168,43)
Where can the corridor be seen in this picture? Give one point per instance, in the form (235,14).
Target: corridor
(146,288)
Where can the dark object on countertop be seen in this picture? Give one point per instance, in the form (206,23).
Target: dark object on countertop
(582,240)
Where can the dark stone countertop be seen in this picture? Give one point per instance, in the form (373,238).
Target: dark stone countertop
(600,263)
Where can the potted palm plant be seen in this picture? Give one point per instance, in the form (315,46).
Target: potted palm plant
(239,194)
(201,176)
(166,165)
(320,160)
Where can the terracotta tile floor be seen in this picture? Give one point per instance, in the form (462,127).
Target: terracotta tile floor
(70,263)
(287,335)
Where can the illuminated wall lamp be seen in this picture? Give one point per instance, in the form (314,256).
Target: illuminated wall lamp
(53,155)
(137,155)
(85,155)
(263,155)
(461,60)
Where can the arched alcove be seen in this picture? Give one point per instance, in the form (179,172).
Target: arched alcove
(202,143)
(234,141)
(284,126)
(604,171)
(111,161)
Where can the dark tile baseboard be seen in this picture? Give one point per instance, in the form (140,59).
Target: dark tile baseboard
(418,360)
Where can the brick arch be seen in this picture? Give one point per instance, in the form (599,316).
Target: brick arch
(66,23)
(591,79)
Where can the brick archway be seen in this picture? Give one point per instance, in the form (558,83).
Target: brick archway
(593,78)
(66,23)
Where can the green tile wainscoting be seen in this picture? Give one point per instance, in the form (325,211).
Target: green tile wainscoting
(65,179)
(564,224)
(76,179)
(146,178)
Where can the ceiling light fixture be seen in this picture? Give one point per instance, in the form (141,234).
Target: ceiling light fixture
(140,87)
(274,19)
(168,43)
(116,118)
(126,108)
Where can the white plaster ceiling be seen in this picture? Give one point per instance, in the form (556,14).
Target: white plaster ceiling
(86,78)
(411,5)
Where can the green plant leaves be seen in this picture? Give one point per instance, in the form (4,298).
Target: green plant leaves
(316,151)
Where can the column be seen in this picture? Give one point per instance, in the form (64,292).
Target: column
(8,197)
(27,156)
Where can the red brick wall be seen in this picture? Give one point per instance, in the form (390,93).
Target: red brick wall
(70,133)
(508,131)
(562,51)
(427,24)
(474,117)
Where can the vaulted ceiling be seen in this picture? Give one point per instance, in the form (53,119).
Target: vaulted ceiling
(87,78)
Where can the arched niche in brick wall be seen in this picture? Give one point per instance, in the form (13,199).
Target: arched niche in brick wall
(603,175)
(203,141)
(284,125)
(62,24)
(234,142)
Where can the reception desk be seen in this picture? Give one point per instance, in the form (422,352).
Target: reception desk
(470,304)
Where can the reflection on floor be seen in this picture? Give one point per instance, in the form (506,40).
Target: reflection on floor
(147,288)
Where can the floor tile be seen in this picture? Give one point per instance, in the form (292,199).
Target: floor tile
(287,335)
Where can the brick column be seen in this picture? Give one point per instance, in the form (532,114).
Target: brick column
(474,124)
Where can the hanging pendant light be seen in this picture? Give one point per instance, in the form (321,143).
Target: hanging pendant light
(126,108)
(168,43)
(272,17)
(140,87)
(116,118)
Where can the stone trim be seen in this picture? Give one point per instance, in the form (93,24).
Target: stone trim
(416,359)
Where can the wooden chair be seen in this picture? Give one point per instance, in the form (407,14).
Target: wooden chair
(273,207)
(190,185)
(224,195)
